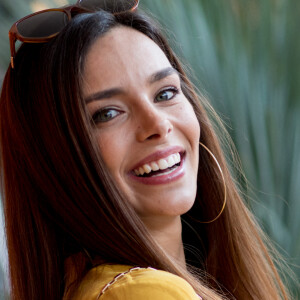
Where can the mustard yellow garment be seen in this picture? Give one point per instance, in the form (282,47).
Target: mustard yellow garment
(141,284)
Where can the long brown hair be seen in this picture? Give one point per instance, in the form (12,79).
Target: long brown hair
(60,202)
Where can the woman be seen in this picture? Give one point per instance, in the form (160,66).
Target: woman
(101,166)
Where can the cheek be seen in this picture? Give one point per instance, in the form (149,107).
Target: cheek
(194,126)
(190,123)
(112,149)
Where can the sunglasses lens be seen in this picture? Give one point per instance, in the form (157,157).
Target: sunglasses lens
(43,25)
(113,6)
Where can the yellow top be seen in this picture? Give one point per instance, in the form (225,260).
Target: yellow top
(119,282)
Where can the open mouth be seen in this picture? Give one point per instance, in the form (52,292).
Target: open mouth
(160,167)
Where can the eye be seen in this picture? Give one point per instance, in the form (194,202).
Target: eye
(104,115)
(166,94)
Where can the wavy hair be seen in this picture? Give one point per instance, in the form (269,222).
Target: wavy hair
(64,213)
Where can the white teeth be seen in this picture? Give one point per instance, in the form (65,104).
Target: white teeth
(164,173)
(161,164)
(171,160)
(141,171)
(154,166)
(147,168)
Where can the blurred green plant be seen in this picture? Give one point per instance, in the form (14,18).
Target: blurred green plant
(245,55)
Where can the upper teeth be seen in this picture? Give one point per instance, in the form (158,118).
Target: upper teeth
(161,164)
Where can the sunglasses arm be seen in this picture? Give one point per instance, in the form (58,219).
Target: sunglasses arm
(12,43)
(12,62)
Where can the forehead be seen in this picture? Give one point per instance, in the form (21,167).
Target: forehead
(122,55)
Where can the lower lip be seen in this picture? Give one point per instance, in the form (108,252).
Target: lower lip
(163,179)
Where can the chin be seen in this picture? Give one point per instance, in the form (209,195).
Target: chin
(173,207)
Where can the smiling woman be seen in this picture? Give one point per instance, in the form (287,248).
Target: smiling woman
(105,187)
(137,111)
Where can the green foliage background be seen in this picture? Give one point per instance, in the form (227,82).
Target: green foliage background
(245,56)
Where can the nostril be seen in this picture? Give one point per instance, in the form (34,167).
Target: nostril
(153,136)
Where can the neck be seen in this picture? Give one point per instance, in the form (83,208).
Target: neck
(166,231)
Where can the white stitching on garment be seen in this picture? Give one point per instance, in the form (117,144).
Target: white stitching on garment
(118,277)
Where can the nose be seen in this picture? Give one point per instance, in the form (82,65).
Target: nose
(152,123)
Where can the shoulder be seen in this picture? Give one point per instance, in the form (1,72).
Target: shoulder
(149,284)
(123,282)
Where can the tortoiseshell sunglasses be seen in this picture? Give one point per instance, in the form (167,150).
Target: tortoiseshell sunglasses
(42,26)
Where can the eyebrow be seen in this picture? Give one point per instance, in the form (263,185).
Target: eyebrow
(103,94)
(162,74)
(117,91)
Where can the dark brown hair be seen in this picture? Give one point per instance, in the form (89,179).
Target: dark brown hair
(61,203)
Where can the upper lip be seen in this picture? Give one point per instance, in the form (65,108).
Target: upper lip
(159,154)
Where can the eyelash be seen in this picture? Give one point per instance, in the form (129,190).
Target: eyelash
(108,110)
(172,89)
(105,110)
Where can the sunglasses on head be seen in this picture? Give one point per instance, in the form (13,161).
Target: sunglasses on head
(42,26)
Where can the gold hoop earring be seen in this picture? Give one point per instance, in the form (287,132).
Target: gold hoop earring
(224,184)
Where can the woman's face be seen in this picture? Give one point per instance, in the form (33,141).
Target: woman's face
(146,129)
